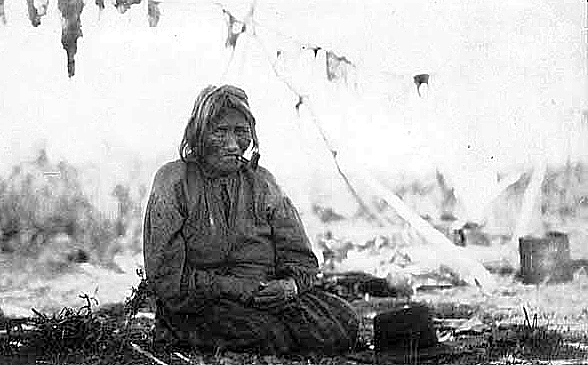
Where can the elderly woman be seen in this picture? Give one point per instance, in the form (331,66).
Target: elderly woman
(225,249)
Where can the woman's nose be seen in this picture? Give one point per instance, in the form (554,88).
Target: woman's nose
(231,145)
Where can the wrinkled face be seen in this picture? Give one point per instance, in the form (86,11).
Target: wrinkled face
(225,140)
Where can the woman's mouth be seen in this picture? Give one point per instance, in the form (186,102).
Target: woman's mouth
(233,158)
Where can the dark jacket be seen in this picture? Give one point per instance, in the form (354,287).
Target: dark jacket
(195,248)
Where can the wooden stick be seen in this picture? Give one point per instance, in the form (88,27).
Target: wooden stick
(362,204)
(184,358)
(527,321)
(501,186)
(469,269)
(532,194)
(147,354)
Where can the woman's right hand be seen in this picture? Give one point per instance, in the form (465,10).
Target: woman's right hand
(275,292)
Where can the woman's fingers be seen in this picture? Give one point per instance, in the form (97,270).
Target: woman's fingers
(261,300)
(272,292)
(264,302)
(267,297)
(268,292)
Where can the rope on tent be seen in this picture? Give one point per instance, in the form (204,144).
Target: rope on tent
(304,100)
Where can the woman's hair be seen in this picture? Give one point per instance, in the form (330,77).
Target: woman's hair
(213,102)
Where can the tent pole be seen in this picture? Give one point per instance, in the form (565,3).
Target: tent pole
(304,100)
(527,222)
(468,268)
(363,206)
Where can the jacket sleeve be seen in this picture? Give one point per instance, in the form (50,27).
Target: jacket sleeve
(163,246)
(294,254)
(165,252)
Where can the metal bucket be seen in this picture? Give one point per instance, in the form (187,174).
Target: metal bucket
(545,259)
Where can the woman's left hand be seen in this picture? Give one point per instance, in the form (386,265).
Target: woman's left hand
(275,292)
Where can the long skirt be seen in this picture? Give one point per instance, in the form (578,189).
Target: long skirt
(315,322)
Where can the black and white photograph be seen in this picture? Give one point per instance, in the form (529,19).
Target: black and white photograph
(280,182)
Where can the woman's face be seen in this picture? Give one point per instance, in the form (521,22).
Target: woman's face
(225,140)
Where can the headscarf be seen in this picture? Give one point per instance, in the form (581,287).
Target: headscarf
(210,103)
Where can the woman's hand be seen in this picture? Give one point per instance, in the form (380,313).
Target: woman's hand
(216,286)
(275,292)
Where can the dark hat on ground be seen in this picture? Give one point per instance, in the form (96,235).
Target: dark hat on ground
(405,334)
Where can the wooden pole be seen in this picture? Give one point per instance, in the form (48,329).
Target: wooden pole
(527,222)
(502,186)
(457,258)
(364,207)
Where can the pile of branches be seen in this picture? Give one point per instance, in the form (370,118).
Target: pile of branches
(79,333)
(140,297)
(71,330)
